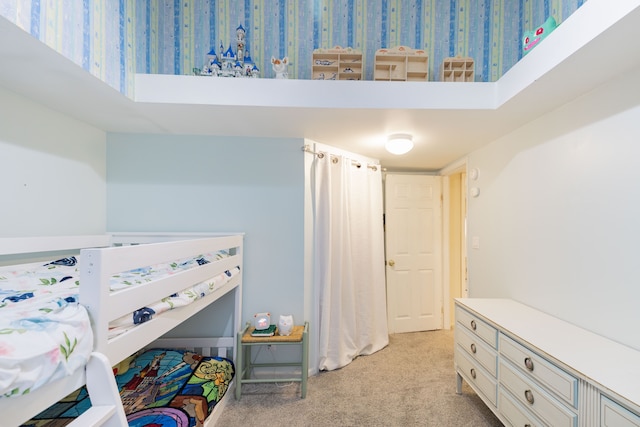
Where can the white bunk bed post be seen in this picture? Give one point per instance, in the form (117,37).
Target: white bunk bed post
(237,316)
(94,294)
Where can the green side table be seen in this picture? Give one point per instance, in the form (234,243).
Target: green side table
(244,365)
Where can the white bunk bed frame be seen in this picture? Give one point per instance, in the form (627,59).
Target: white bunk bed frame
(100,259)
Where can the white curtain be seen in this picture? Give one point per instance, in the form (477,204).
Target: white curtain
(349,273)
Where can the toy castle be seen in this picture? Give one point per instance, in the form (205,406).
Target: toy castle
(229,63)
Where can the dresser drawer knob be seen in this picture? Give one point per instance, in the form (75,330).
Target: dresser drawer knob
(473,348)
(529,396)
(473,325)
(473,373)
(528,363)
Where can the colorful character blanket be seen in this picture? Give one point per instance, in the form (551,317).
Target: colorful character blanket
(159,387)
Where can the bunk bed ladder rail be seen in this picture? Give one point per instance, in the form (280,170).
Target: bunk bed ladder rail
(106,407)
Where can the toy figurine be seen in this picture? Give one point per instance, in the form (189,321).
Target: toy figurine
(531,39)
(285,324)
(280,67)
(230,63)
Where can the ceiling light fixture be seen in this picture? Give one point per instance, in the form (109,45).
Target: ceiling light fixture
(399,143)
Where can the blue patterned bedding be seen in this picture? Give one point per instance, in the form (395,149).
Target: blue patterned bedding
(45,334)
(179,299)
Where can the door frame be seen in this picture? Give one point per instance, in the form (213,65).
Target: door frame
(452,169)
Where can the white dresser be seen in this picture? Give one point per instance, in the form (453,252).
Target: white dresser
(533,369)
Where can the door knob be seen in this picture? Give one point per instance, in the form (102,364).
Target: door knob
(391,263)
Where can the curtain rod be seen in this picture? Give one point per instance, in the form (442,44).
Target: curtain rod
(321,155)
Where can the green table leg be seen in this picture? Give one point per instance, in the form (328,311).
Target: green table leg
(240,362)
(239,369)
(305,359)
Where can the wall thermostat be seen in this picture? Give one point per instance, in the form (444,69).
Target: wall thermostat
(474,173)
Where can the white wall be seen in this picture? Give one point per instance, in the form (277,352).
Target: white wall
(558,216)
(235,184)
(52,171)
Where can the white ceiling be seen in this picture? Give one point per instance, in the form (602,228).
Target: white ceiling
(448,120)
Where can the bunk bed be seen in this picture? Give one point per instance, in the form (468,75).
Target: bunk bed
(113,285)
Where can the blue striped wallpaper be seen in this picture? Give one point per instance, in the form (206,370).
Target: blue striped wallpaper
(98,35)
(114,39)
(487,30)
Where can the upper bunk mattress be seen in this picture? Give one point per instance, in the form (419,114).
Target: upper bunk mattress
(45,333)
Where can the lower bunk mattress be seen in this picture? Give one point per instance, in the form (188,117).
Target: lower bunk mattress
(158,387)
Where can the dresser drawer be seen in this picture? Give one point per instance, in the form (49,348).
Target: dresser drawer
(532,397)
(614,415)
(549,375)
(475,375)
(514,412)
(477,349)
(488,333)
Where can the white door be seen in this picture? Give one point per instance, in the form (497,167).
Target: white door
(413,232)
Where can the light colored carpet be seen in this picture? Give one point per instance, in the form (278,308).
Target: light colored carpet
(411,382)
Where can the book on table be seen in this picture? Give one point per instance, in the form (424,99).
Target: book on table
(268,332)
